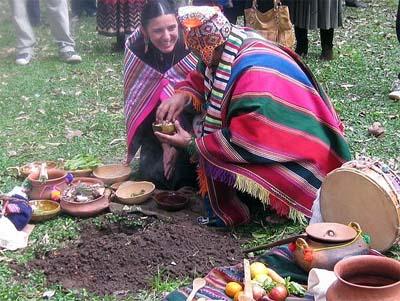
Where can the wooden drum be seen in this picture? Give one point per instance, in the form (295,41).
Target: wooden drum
(366,192)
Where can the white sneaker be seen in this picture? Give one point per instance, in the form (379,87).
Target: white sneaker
(395,94)
(70,57)
(23,59)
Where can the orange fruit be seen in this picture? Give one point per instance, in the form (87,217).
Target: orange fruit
(237,295)
(232,288)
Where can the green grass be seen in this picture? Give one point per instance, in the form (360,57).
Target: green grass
(41,102)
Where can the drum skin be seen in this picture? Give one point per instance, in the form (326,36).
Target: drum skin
(367,197)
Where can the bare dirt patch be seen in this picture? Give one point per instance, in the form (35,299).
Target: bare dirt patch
(123,253)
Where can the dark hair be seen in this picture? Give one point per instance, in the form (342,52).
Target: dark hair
(156,8)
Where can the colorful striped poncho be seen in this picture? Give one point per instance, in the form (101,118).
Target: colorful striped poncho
(145,87)
(269,129)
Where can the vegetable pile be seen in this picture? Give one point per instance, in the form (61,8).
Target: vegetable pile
(80,162)
(267,285)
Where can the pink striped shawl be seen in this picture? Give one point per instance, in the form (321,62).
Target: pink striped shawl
(145,87)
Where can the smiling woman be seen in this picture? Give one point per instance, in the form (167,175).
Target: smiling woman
(156,60)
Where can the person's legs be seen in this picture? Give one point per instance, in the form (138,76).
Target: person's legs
(23,30)
(59,25)
(33,7)
(356,3)
(76,8)
(301,41)
(395,92)
(89,6)
(327,44)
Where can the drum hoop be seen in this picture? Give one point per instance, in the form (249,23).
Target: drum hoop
(380,172)
(347,167)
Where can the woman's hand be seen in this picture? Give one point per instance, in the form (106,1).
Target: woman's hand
(180,139)
(170,109)
(170,154)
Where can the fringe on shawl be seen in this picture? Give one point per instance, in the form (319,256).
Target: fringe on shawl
(256,190)
(244,184)
(202,180)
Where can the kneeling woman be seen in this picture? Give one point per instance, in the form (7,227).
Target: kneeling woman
(269,129)
(155,61)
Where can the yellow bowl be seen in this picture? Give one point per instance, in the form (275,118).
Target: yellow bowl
(44,210)
(112,173)
(165,128)
(134,192)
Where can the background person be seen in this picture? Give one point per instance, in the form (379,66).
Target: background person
(325,15)
(57,11)
(156,60)
(118,18)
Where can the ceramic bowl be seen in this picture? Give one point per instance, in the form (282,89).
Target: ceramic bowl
(112,173)
(165,128)
(26,169)
(86,209)
(171,201)
(43,210)
(134,192)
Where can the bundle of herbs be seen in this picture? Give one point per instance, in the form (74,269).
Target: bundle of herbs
(81,162)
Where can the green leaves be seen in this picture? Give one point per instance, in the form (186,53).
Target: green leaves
(82,162)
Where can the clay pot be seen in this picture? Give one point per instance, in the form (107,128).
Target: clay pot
(366,278)
(86,209)
(328,243)
(40,191)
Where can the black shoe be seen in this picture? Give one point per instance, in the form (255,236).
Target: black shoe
(326,54)
(356,3)
(301,50)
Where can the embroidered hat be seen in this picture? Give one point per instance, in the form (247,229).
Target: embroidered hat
(206,28)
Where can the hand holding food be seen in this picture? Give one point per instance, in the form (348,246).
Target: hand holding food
(180,139)
(170,109)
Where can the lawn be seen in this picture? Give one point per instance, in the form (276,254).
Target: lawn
(45,103)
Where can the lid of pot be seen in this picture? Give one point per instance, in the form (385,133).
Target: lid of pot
(331,232)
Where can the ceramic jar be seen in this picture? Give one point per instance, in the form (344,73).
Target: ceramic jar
(42,190)
(366,278)
(318,251)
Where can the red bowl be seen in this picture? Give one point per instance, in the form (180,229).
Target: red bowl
(171,201)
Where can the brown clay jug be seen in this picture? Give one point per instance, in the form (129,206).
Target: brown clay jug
(366,278)
(42,190)
(327,243)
